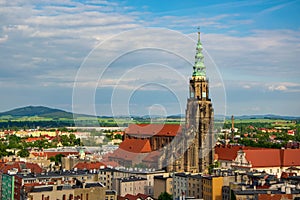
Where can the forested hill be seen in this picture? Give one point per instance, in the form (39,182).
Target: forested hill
(39,111)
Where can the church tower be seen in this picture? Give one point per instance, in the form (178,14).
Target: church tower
(199,118)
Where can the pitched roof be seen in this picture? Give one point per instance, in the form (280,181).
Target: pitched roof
(274,196)
(89,165)
(152,157)
(263,157)
(35,168)
(132,149)
(33,139)
(154,129)
(273,157)
(121,198)
(142,196)
(290,157)
(229,152)
(136,145)
(132,197)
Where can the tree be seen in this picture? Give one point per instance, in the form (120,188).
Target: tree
(165,196)
(14,142)
(56,158)
(3,151)
(23,153)
(64,140)
(118,136)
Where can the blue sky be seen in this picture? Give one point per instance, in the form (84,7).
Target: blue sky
(252,55)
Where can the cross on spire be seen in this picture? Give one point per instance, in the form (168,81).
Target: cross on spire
(198,32)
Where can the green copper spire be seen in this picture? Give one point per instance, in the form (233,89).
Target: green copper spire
(199,68)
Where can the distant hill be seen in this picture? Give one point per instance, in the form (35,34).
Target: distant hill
(46,112)
(267,116)
(39,111)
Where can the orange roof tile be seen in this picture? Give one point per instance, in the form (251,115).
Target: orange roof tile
(230,152)
(89,165)
(154,129)
(35,168)
(273,157)
(136,145)
(121,198)
(152,157)
(263,157)
(110,163)
(33,139)
(64,153)
(274,196)
(142,196)
(291,157)
(131,197)
(131,149)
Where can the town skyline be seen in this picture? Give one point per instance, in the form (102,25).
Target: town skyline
(254,45)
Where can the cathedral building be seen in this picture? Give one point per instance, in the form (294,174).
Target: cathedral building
(177,148)
(199,118)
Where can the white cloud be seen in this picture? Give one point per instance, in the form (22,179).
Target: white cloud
(279,88)
(284,86)
(3,39)
(44,43)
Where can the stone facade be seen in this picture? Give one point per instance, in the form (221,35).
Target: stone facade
(197,143)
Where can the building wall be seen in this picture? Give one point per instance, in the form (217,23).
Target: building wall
(95,193)
(56,194)
(162,185)
(149,189)
(194,187)
(130,187)
(180,186)
(212,188)
(7,187)
(68,162)
(0,184)
(107,176)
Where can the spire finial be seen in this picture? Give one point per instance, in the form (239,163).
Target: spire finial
(199,69)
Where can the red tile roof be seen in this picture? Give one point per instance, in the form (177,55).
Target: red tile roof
(229,152)
(121,198)
(152,157)
(54,153)
(142,196)
(291,157)
(273,157)
(33,139)
(131,197)
(274,196)
(263,157)
(154,129)
(49,154)
(35,168)
(110,163)
(132,149)
(89,165)
(136,145)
